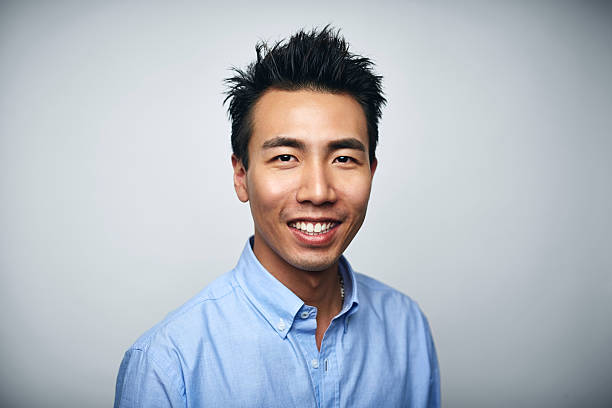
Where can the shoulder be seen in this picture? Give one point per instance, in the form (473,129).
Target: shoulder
(375,290)
(186,323)
(388,302)
(152,368)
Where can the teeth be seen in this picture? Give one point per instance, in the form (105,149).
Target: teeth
(312,229)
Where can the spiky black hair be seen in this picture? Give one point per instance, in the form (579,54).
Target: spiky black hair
(319,60)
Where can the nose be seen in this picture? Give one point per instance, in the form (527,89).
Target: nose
(316,186)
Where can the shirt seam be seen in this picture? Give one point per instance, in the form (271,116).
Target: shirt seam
(161,372)
(145,345)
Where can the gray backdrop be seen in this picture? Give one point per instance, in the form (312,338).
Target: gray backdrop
(490,207)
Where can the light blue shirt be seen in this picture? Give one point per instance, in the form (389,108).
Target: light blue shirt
(248,341)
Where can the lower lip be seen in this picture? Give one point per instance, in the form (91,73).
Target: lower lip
(315,240)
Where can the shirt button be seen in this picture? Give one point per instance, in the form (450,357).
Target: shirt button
(315,363)
(305,315)
(281,325)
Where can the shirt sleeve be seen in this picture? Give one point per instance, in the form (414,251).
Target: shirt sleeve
(143,382)
(434,381)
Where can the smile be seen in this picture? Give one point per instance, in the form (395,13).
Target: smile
(313,228)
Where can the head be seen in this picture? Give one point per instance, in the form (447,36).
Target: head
(316,60)
(304,130)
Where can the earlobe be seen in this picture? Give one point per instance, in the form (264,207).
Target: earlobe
(240,182)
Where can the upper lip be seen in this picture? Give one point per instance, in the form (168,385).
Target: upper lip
(313,219)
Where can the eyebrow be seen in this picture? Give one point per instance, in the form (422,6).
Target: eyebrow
(282,141)
(347,143)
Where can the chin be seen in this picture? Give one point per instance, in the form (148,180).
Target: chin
(314,265)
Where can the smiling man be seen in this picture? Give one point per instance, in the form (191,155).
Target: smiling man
(292,325)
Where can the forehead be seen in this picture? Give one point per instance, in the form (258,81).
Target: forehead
(313,116)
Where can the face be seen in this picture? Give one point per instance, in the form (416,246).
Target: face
(309,178)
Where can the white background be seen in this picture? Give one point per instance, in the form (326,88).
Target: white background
(490,207)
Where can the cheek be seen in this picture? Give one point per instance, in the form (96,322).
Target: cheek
(359,199)
(268,193)
(356,194)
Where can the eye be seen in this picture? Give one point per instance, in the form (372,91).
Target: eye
(284,157)
(344,159)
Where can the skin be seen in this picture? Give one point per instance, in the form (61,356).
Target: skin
(308,160)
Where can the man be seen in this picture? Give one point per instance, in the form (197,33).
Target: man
(292,325)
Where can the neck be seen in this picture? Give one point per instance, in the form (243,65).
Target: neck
(320,289)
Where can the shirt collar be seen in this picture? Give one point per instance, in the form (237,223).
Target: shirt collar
(275,301)
(272,299)
(351,301)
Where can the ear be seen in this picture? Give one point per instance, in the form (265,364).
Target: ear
(240,182)
(373,166)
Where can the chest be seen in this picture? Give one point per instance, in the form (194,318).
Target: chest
(361,366)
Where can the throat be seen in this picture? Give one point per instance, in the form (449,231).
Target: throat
(325,316)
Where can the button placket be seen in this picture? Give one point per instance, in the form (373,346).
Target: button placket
(330,374)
